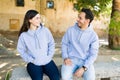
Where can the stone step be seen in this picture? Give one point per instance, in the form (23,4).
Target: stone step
(104,71)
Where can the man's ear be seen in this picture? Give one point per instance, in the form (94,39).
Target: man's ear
(88,20)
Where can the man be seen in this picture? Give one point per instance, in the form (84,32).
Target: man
(80,46)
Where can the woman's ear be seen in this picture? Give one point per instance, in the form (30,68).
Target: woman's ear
(30,20)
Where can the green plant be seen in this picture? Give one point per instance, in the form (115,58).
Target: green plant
(97,6)
(7,77)
(115,24)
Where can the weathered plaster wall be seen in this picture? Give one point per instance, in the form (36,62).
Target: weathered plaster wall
(60,17)
(57,19)
(9,10)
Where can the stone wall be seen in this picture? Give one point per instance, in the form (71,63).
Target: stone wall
(9,11)
(57,19)
(104,71)
(60,17)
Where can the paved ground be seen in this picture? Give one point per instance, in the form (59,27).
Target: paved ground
(9,58)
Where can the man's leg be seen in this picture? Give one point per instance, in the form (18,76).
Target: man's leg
(89,74)
(67,72)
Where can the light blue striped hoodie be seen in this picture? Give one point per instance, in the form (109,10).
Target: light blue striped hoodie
(36,46)
(80,44)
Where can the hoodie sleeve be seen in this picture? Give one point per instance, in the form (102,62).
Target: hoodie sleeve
(51,44)
(22,49)
(93,52)
(65,44)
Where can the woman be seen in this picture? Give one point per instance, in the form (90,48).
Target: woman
(36,47)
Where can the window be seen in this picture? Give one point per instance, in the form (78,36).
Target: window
(50,4)
(20,3)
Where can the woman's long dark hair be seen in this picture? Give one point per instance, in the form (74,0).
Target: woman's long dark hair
(26,24)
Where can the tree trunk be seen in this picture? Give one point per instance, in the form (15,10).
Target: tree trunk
(114,28)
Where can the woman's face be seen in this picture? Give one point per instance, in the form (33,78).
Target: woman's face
(35,21)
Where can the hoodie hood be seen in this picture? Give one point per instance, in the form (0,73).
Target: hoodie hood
(78,28)
(34,33)
(81,32)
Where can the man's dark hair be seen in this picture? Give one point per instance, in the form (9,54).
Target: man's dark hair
(89,14)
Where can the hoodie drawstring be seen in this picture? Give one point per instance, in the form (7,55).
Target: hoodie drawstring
(37,42)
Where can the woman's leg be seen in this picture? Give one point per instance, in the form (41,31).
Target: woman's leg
(51,71)
(35,72)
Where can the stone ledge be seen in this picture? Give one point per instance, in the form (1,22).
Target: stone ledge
(107,69)
(104,70)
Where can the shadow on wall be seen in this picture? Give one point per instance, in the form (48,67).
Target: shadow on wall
(57,34)
(102,33)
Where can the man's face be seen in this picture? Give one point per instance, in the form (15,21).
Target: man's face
(81,19)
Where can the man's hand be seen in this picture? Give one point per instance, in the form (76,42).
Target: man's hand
(79,72)
(67,61)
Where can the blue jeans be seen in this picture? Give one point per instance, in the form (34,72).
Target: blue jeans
(50,69)
(68,71)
